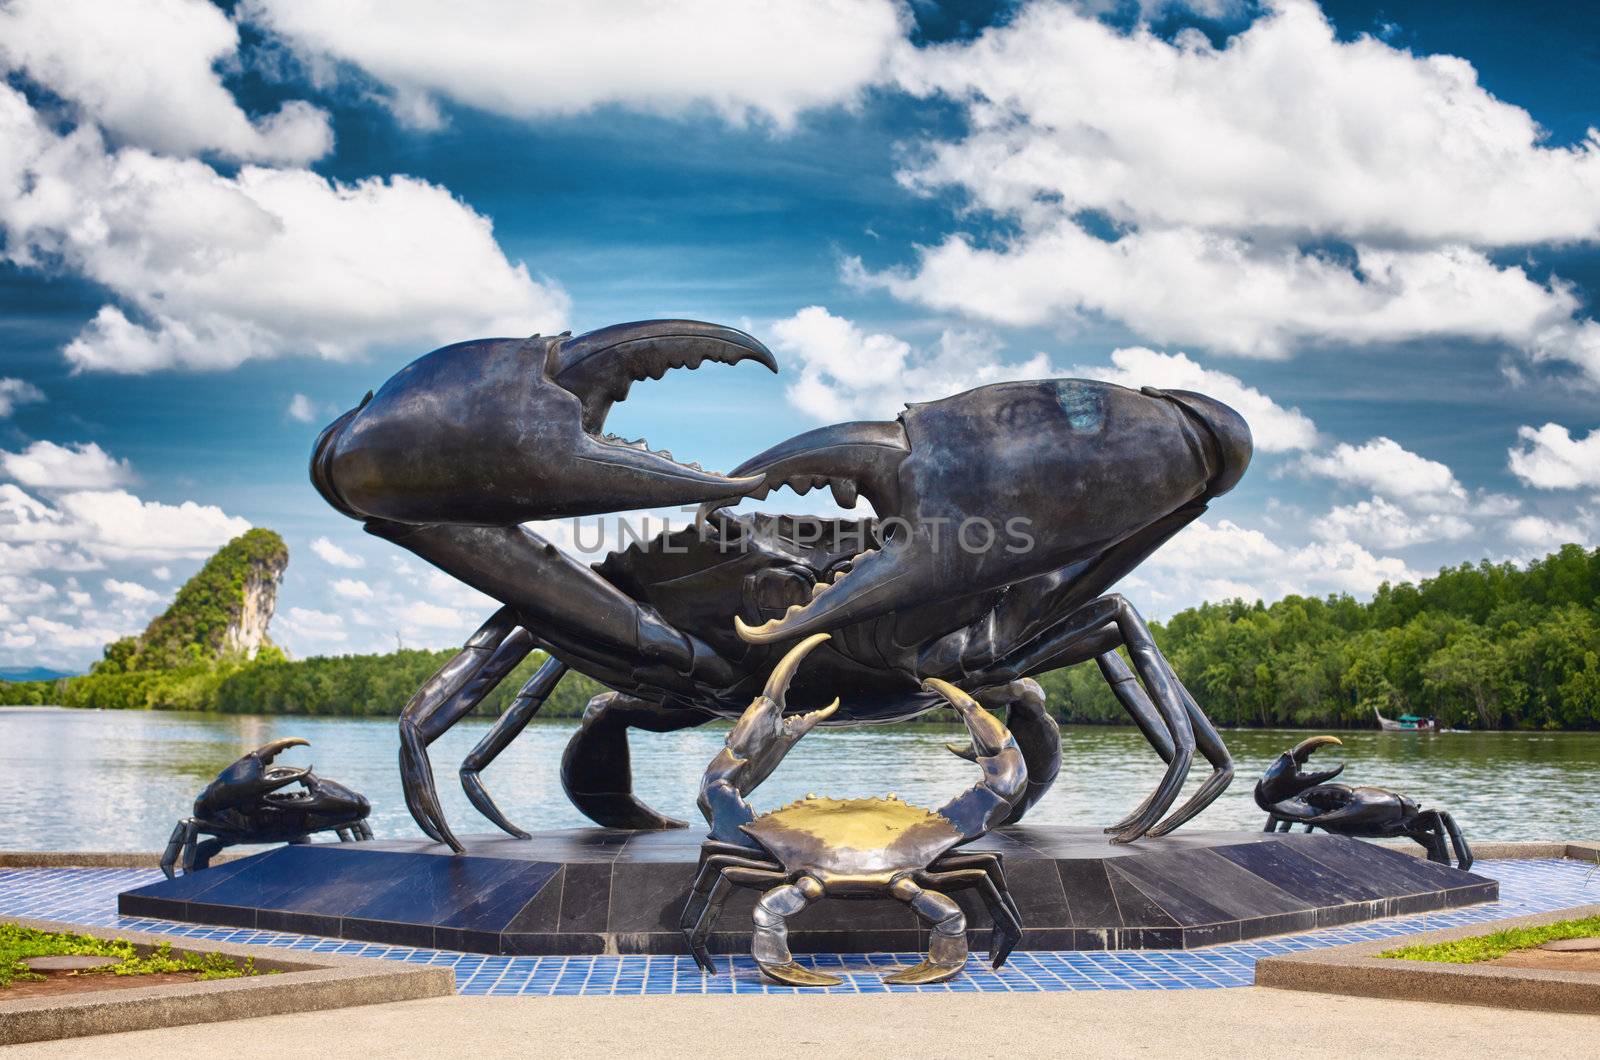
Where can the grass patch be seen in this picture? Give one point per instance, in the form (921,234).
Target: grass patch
(1497,944)
(18,943)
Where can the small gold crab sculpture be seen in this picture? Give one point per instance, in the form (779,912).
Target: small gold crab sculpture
(851,848)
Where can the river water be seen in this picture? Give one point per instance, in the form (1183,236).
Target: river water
(119,780)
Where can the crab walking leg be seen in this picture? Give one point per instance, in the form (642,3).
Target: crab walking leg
(427,715)
(710,890)
(990,862)
(769,944)
(1212,749)
(710,871)
(947,941)
(576,610)
(182,834)
(1125,686)
(507,728)
(1094,629)
(198,856)
(190,846)
(1006,929)
(1430,833)
(597,769)
(1463,849)
(724,883)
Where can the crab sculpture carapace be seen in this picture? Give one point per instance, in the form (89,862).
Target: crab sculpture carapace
(1291,795)
(254,801)
(1002,518)
(851,848)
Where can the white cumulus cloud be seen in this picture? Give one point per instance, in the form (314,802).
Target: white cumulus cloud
(1379,523)
(132,592)
(1217,560)
(1285,188)
(333,555)
(528,58)
(351,589)
(209,270)
(1541,535)
(147,71)
(1550,458)
(14,392)
(1383,464)
(301,409)
(46,465)
(115,524)
(847,373)
(82,529)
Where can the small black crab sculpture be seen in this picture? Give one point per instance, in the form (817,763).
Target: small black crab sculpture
(252,802)
(1291,796)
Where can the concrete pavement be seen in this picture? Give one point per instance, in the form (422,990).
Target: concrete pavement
(1238,1023)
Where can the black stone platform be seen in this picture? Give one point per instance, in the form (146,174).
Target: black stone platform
(596,891)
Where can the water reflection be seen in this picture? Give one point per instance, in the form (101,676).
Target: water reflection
(119,780)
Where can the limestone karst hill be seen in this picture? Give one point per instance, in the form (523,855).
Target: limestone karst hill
(221,612)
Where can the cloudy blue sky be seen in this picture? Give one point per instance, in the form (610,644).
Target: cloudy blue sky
(1371,228)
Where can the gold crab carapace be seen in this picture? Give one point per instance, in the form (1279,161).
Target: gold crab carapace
(819,847)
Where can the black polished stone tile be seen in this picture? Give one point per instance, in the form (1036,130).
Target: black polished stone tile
(1210,934)
(536,943)
(1135,908)
(466,941)
(1388,871)
(1292,870)
(585,897)
(1278,924)
(225,915)
(297,923)
(280,881)
(1150,938)
(495,907)
(1090,901)
(1214,880)
(134,903)
(647,896)
(426,889)
(389,932)
(541,913)
(1035,884)
(668,844)
(1174,896)
(1048,938)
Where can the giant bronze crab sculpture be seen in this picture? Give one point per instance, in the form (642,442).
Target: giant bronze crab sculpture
(1085,479)
(1292,796)
(254,801)
(851,848)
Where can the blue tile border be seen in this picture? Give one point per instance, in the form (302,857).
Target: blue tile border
(89,897)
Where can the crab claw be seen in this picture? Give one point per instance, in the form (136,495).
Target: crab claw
(1005,773)
(251,777)
(763,735)
(1286,778)
(758,742)
(268,751)
(497,432)
(1002,484)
